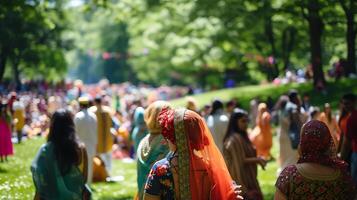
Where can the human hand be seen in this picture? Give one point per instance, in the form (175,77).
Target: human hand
(237,190)
(262,162)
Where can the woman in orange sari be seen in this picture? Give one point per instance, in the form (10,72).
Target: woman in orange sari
(261,136)
(194,168)
(331,122)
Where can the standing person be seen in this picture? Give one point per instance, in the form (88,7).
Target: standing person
(217,122)
(291,118)
(331,122)
(140,129)
(86,129)
(19,118)
(253,110)
(6,147)
(230,105)
(194,168)
(262,137)
(349,142)
(105,139)
(241,157)
(59,168)
(152,147)
(318,174)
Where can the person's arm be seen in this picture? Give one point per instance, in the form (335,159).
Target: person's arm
(279,195)
(256,160)
(153,186)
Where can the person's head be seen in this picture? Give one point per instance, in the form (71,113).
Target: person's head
(191,104)
(238,123)
(62,136)
(314,112)
(294,96)
(316,146)
(262,107)
(151,114)
(230,105)
(348,102)
(98,101)
(327,108)
(216,105)
(83,102)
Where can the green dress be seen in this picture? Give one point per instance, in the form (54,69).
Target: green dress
(49,182)
(148,153)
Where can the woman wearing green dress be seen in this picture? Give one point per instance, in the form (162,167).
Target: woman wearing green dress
(59,167)
(152,147)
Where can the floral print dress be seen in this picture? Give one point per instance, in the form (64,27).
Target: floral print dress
(160,181)
(295,185)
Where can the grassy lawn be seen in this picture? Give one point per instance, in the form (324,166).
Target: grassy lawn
(16,181)
(15,176)
(244,94)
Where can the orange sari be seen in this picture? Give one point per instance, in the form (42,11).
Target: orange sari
(202,172)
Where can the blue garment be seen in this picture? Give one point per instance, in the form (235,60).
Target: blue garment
(140,129)
(354,167)
(160,181)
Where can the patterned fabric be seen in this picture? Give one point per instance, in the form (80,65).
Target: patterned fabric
(166,121)
(183,155)
(294,185)
(160,181)
(316,146)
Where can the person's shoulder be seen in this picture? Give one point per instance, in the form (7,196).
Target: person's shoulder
(289,170)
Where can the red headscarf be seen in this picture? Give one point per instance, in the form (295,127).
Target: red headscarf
(202,171)
(316,146)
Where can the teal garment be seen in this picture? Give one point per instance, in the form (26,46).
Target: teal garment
(49,182)
(148,153)
(140,129)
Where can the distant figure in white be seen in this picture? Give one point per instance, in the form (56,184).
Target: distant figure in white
(217,122)
(86,129)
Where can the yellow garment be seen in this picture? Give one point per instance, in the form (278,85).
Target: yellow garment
(19,117)
(104,120)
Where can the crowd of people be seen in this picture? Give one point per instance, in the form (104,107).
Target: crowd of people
(181,153)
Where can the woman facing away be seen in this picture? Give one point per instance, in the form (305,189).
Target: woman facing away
(262,137)
(241,157)
(319,174)
(327,117)
(194,168)
(140,129)
(60,166)
(152,147)
(6,147)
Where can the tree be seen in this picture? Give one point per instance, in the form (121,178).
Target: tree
(31,37)
(350,10)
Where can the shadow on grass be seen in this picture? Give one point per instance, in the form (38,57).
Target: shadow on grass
(3,170)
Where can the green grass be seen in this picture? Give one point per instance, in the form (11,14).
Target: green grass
(16,181)
(244,94)
(15,176)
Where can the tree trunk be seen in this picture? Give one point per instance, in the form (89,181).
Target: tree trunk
(3,59)
(270,35)
(16,73)
(288,41)
(351,45)
(315,31)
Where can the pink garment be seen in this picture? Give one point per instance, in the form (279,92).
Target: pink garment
(6,147)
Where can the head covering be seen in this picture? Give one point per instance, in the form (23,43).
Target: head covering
(316,146)
(202,171)
(151,114)
(83,100)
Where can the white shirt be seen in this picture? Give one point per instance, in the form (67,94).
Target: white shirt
(218,124)
(86,128)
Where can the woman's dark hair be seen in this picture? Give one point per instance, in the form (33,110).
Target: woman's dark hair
(62,135)
(233,127)
(216,105)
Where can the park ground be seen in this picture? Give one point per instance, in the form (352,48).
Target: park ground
(15,176)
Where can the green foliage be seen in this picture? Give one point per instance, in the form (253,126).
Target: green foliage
(31,40)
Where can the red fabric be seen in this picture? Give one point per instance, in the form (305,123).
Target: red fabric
(316,146)
(351,129)
(209,176)
(166,121)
